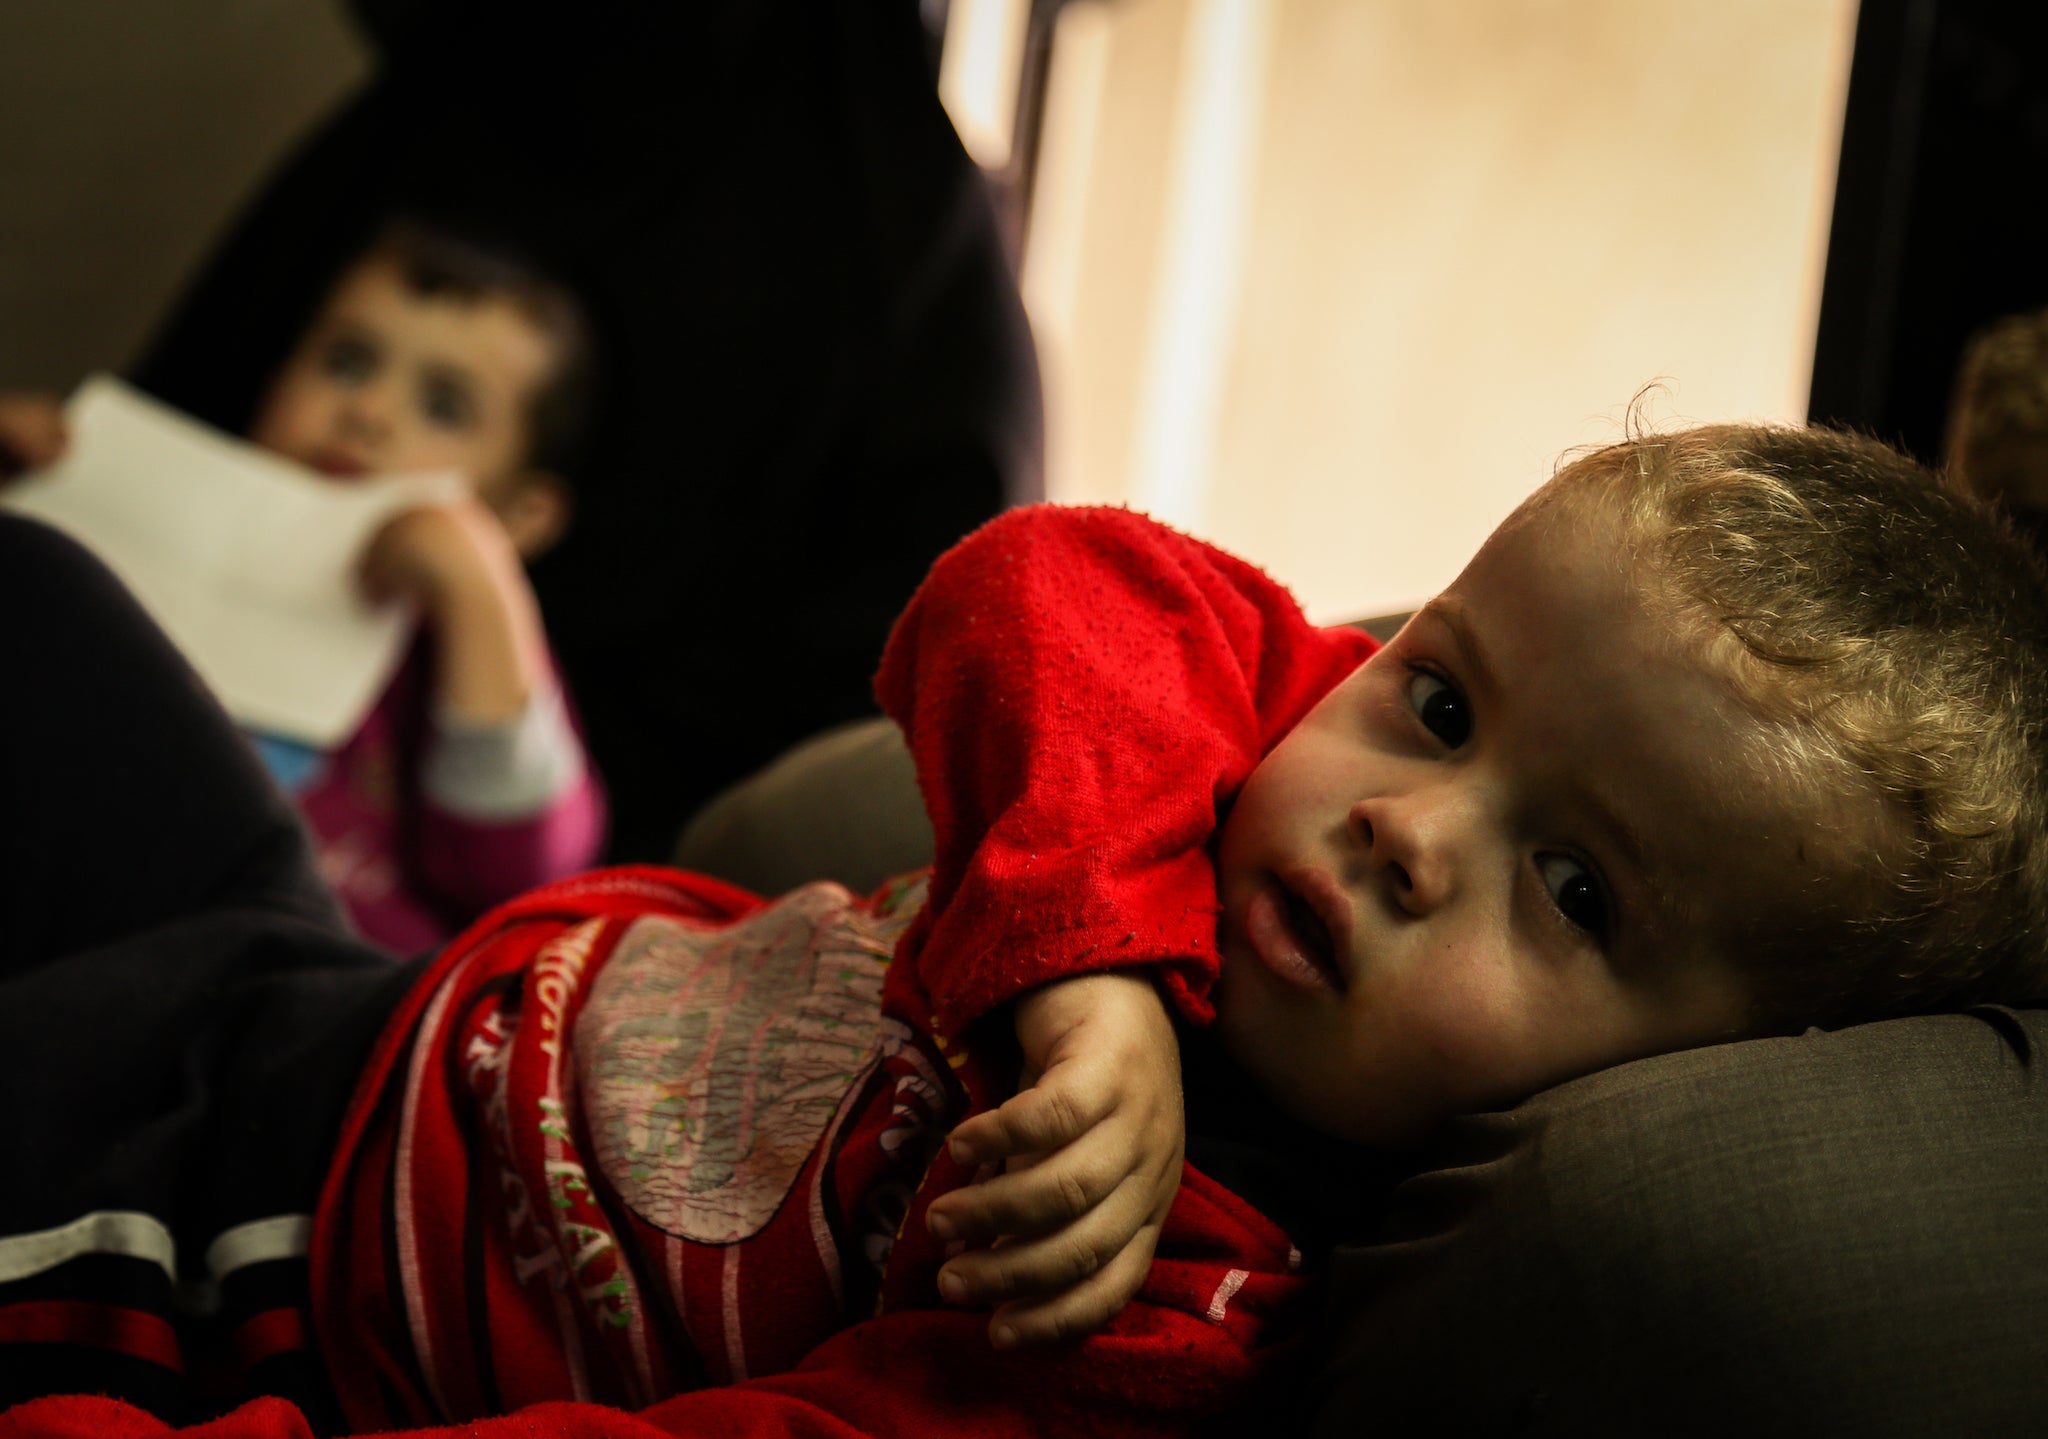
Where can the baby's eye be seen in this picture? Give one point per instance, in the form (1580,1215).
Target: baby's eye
(1441,709)
(1575,890)
(448,405)
(348,359)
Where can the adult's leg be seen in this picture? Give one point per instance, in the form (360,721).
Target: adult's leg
(182,1014)
(127,797)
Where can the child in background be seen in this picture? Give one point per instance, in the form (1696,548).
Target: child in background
(466,783)
(1722,733)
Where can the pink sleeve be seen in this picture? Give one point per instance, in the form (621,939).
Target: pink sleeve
(472,862)
(1083,690)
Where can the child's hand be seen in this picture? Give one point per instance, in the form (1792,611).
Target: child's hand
(456,562)
(431,553)
(1092,1146)
(32,432)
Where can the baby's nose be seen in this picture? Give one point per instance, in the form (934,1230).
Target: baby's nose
(1413,845)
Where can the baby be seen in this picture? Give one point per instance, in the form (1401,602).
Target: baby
(1724,732)
(466,783)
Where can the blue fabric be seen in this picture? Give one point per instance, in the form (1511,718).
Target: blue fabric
(290,762)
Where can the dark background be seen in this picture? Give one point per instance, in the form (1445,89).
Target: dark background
(818,376)
(1937,225)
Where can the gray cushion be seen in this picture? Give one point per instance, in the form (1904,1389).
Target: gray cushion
(1842,1233)
(842,805)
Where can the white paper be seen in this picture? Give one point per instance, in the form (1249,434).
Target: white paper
(245,559)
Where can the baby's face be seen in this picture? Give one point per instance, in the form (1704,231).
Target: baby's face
(386,379)
(1520,844)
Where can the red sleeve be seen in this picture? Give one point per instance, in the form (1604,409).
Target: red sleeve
(1083,691)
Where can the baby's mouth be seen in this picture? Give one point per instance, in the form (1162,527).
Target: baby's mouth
(1292,939)
(1315,935)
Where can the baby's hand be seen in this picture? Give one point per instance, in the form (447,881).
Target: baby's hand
(32,432)
(1092,1147)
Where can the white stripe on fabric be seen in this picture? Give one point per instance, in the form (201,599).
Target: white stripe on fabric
(1219,1302)
(426,1048)
(104,1231)
(675,1281)
(570,1332)
(643,1360)
(821,1230)
(285,1236)
(735,1350)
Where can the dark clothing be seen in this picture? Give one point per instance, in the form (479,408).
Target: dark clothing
(181,1073)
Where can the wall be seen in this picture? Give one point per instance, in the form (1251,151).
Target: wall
(1335,281)
(133,131)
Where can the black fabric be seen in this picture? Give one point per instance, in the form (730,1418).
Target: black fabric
(1316,1188)
(127,800)
(1841,1233)
(183,1011)
(820,370)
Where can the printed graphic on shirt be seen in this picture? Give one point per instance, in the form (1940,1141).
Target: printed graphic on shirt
(712,1060)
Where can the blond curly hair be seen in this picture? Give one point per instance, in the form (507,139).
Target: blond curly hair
(1891,633)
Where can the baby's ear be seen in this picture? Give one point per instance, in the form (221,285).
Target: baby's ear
(535,507)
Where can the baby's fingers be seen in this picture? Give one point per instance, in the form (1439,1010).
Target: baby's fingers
(1032,1121)
(1056,1259)
(1030,1199)
(1079,1310)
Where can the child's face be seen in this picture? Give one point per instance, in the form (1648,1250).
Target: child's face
(386,379)
(1520,844)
